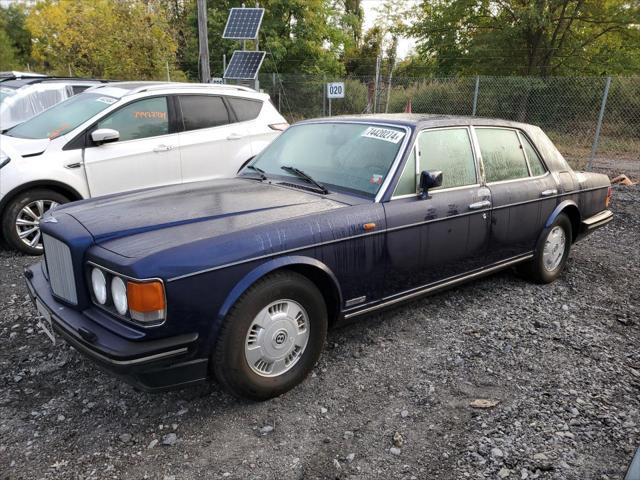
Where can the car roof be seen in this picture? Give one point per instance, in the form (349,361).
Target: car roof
(19,82)
(122,89)
(421,120)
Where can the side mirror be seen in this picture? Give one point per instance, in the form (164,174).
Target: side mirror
(429,180)
(105,135)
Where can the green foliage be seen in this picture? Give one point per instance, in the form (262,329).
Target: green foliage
(7,53)
(551,37)
(18,38)
(102,38)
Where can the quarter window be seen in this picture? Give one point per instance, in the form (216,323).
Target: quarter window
(535,164)
(203,111)
(141,119)
(449,151)
(408,181)
(245,109)
(502,155)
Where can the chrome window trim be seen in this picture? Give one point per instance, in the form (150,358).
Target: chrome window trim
(126,277)
(522,135)
(500,182)
(417,153)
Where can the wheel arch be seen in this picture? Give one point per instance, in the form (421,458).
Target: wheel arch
(316,271)
(569,208)
(62,188)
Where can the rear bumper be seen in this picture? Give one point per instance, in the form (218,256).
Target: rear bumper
(149,365)
(589,225)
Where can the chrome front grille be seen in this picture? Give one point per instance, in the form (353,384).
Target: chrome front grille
(60,268)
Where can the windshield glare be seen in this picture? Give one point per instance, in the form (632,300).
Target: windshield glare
(63,117)
(352,156)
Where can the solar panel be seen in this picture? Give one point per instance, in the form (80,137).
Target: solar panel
(244,65)
(243,23)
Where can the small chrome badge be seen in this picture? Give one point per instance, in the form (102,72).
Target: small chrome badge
(49,219)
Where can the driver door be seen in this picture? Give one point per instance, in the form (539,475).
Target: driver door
(146,155)
(445,235)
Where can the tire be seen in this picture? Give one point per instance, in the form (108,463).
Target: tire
(39,200)
(254,328)
(545,268)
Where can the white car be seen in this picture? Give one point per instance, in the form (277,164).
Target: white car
(126,136)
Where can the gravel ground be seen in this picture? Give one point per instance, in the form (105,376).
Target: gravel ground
(390,398)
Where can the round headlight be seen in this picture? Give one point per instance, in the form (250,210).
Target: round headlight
(119,295)
(99,285)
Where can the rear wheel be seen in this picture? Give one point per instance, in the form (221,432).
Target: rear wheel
(552,251)
(272,337)
(21,219)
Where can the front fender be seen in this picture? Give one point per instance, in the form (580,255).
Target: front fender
(559,209)
(266,268)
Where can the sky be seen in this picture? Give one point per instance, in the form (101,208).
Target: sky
(405,45)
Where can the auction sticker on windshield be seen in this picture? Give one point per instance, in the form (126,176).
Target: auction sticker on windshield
(386,134)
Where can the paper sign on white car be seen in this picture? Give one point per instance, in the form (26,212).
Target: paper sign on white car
(386,134)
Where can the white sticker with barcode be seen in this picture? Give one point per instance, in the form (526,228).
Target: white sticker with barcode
(386,134)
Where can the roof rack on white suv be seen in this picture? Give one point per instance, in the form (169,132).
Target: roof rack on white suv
(162,86)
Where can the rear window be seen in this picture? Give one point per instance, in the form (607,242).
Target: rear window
(203,111)
(245,109)
(502,155)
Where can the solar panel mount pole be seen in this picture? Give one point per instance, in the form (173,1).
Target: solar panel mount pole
(203,42)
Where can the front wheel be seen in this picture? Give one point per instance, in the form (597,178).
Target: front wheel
(552,252)
(21,219)
(272,337)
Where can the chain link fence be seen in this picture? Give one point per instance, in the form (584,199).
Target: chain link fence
(594,121)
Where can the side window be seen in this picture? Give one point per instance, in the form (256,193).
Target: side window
(203,111)
(449,151)
(141,119)
(407,184)
(245,109)
(537,168)
(502,155)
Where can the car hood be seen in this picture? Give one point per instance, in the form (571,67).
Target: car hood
(25,147)
(147,222)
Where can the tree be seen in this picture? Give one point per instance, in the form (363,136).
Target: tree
(538,37)
(18,38)
(102,38)
(7,53)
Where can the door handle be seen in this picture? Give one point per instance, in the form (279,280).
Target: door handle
(548,193)
(234,136)
(163,148)
(480,205)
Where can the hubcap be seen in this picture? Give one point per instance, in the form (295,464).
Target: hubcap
(28,222)
(554,248)
(277,338)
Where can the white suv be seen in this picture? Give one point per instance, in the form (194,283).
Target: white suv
(125,136)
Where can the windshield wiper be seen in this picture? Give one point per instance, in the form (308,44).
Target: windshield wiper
(259,170)
(306,177)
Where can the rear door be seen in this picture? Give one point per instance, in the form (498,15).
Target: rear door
(146,155)
(445,235)
(522,191)
(212,143)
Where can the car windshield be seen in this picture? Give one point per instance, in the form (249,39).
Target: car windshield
(350,156)
(63,117)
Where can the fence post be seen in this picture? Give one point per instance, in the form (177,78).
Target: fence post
(324,95)
(475,96)
(596,139)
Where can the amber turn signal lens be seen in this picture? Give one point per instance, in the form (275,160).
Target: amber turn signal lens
(145,297)
(607,201)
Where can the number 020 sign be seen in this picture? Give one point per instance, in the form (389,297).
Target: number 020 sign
(335,90)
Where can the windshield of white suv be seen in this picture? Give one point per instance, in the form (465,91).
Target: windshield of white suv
(352,156)
(63,117)
(6,92)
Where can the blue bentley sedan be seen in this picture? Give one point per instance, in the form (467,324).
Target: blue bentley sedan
(240,279)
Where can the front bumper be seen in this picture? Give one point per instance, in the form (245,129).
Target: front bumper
(149,365)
